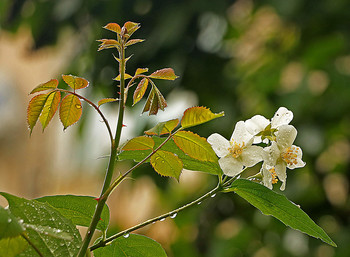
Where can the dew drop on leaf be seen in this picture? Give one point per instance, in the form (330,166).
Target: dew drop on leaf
(78,106)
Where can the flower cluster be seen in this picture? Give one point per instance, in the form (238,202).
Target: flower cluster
(245,147)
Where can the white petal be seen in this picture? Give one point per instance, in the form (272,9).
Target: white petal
(285,136)
(272,154)
(241,135)
(256,124)
(299,163)
(266,175)
(252,155)
(281,172)
(219,144)
(282,117)
(230,166)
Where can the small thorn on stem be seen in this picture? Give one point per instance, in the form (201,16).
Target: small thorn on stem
(97,199)
(124,125)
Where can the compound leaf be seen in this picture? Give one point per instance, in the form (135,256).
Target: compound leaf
(70,110)
(75,82)
(50,108)
(35,107)
(51,84)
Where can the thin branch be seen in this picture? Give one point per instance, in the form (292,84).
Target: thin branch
(24,235)
(159,218)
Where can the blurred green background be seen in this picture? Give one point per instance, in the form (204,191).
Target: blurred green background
(243,57)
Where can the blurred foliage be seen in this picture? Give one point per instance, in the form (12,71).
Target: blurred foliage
(245,58)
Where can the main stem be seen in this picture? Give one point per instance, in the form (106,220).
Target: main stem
(109,174)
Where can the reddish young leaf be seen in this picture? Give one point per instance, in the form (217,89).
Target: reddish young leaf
(167,164)
(113,27)
(139,143)
(108,43)
(162,128)
(50,108)
(155,101)
(161,100)
(140,90)
(51,84)
(75,82)
(107,100)
(131,27)
(70,110)
(166,73)
(140,71)
(134,41)
(35,108)
(195,146)
(197,115)
(148,103)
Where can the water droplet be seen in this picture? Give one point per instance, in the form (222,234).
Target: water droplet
(162,219)
(173,215)
(213,195)
(78,106)
(199,203)
(126,235)
(9,220)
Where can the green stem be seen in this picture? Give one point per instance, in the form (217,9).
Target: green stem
(161,217)
(111,164)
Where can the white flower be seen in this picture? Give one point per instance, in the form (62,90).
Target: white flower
(236,153)
(282,154)
(263,129)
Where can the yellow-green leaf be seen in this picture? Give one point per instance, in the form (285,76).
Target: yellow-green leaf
(50,108)
(107,100)
(34,110)
(162,128)
(51,84)
(75,82)
(139,143)
(140,90)
(140,71)
(70,110)
(197,115)
(195,146)
(126,76)
(166,73)
(113,27)
(167,164)
(134,41)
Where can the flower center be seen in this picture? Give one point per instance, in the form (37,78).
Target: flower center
(290,155)
(274,175)
(236,149)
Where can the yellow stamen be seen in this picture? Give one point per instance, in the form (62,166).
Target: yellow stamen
(236,149)
(290,155)
(274,175)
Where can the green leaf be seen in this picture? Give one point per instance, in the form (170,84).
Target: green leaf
(113,27)
(107,100)
(79,209)
(167,164)
(166,73)
(12,246)
(34,109)
(75,82)
(195,146)
(50,108)
(163,128)
(139,143)
(52,232)
(277,205)
(9,225)
(197,115)
(140,90)
(189,163)
(132,246)
(70,110)
(39,214)
(51,84)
